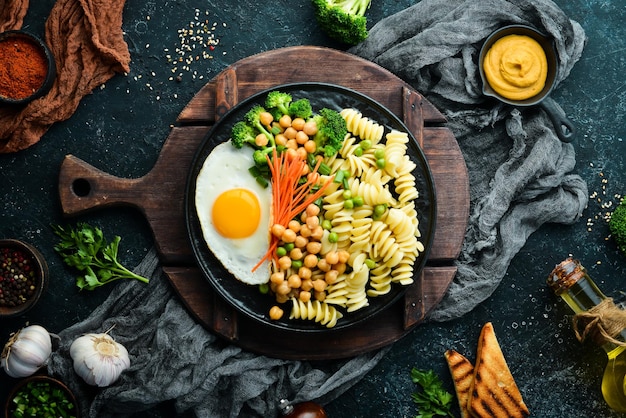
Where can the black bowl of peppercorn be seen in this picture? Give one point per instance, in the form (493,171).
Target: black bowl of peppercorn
(27,68)
(23,277)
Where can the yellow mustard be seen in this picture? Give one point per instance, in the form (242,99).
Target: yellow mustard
(516,67)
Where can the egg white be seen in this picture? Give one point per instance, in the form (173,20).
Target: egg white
(227,168)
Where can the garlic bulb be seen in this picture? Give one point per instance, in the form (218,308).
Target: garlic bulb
(26,351)
(98,359)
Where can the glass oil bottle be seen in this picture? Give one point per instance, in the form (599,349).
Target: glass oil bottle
(571,282)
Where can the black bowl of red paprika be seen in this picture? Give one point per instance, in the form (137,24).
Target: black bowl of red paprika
(23,277)
(27,68)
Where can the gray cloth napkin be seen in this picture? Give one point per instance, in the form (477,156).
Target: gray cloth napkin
(519,170)
(519,179)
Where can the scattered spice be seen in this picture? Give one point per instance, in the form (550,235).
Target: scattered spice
(17,277)
(23,67)
(197,41)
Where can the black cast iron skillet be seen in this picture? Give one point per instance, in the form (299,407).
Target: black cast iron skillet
(564,127)
(247,299)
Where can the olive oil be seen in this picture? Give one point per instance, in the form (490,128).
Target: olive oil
(570,281)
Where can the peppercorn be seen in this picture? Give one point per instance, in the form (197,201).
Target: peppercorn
(17,277)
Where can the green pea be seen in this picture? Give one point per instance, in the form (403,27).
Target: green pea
(289,246)
(327,224)
(358,151)
(379,210)
(348,204)
(380,163)
(358,201)
(264,288)
(347,194)
(379,153)
(296,264)
(366,144)
(370,263)
(333,237)
(281,251)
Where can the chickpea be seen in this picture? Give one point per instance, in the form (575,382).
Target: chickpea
(344,256)
(301,137)
(323,265)
(294,225)
(307,284)
(331,276)
(312,210)
(313,177)
(266,118)
(284,262)
(276,312)
(320,296)
(310,128)
(282,298)
(291,144)
(314,248)
(277,277)
(285,121)
(304,296)
(291,132)
(261,140)
(340,267)
(317,233)
(280,139)
(310,261)
(312,222)
(302,154)
(283,288)
(310,146)
(294,281)
(278,230)
(289,235)
(306,170)
(332,257)
(296,254)
(301,241)
(319,285)
(304,273)
(305,231)
(298,124)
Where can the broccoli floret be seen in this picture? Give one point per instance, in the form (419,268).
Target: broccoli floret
(301,108)
(331,131)
(253,119)
(242,134)
(343,20)
(259,156)
(279,100)
(617,225)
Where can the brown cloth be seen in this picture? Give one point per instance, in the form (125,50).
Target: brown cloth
(12,14)
(86,39)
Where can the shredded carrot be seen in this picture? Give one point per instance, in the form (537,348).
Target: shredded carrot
(289,198)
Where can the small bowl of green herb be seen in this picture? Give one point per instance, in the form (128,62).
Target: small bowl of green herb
(41,396)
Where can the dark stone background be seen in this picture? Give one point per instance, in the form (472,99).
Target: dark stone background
(121,127)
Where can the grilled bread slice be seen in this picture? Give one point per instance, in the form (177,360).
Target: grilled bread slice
(462,372)
(493,391)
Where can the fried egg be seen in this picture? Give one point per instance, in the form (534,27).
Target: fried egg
(234,212)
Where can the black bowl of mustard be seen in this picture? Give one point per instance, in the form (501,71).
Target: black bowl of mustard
(27,68)
(564,127)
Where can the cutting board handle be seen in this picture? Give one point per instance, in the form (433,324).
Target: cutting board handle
(83,187)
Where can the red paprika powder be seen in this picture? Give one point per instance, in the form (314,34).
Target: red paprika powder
(23,67)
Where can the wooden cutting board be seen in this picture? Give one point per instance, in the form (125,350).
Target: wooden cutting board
(159,195)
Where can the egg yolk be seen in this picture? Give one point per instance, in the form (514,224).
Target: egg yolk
(236,213)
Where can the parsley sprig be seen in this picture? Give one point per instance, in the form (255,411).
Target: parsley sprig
(86,249)
(433,400)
